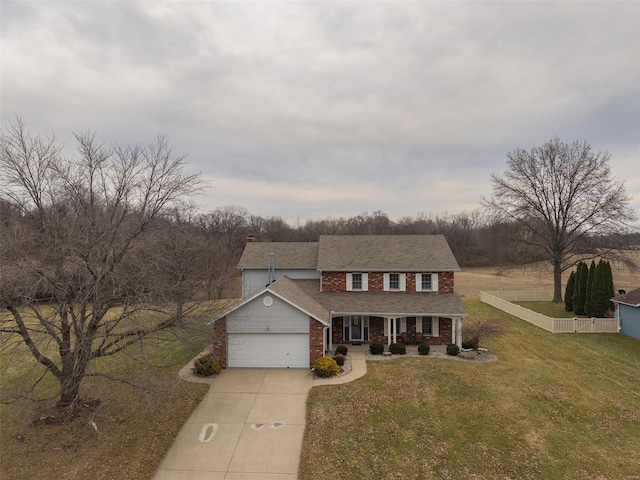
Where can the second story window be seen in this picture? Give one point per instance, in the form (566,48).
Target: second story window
(395,282)
(357,282)
(426,282)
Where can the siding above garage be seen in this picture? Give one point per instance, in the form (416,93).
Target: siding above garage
(267,313)
(255,280)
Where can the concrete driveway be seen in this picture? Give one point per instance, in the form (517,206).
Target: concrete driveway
(249,425)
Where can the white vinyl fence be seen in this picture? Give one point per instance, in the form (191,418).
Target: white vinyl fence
(502,301)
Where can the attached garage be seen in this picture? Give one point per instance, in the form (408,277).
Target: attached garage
(268,350)
(268,332)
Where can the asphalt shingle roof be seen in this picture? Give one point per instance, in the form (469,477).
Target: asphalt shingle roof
(407,253)
(385,303)
(285,254)
(631,298)
(291,291)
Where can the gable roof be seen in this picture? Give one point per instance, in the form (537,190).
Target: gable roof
(285,289)
(285,255)
(407,253)
(631,298)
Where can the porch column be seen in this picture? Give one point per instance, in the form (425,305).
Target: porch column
(453,330)
(389,323)
(330,333)
(459,332)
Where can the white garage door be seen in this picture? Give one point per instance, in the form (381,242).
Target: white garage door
(268,350)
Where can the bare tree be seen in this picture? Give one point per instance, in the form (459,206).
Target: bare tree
(93,261)
(562,195)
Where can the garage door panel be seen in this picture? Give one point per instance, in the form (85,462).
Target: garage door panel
(265,350)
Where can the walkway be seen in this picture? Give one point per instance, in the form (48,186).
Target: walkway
(249,425)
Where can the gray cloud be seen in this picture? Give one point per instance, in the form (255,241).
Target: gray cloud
(332,108)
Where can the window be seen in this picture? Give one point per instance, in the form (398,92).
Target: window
(427,325)
(396,282)
(357,281)
(426,282)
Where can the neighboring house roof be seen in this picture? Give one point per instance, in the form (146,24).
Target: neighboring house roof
(384,304)
(285,255)
(375,253)
(631,298)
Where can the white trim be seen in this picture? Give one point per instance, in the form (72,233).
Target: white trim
(256,295)
(434,282)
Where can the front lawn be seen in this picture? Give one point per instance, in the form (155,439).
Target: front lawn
(552,406)
(550,309)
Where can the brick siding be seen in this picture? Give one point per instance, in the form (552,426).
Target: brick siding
(337,282)
(220,340)
(316,344)
(376,331)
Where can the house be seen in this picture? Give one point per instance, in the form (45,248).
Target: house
(628,311)
(299,299)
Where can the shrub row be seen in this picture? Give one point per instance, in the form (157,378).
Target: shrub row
(397,349)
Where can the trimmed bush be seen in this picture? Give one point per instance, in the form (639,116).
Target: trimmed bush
(342,349)
(423,349)
(376,348)
(452,349)
(206,365)
(326,367)
(339,359)
(398,349)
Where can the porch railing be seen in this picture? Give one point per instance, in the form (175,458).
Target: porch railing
(502,301)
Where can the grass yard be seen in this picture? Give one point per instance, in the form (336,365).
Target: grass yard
(552,406)
(550,309)
(135,428)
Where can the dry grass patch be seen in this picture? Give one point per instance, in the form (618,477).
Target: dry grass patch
(553,406)
(531,277)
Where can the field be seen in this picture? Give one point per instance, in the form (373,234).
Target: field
(552,406)
(534,277)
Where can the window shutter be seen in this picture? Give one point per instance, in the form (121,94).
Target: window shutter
(435,326)
(434,282)
(418,282)
(349,282)
(418,324)
(365,281)
(403,282)
(385,281)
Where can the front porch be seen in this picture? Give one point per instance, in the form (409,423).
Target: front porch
(362,329)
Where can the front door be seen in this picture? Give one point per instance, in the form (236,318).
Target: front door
(356,328)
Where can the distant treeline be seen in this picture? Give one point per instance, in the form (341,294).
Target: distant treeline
(475,239)
(220,235)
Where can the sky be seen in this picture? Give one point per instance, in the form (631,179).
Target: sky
(317,109)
